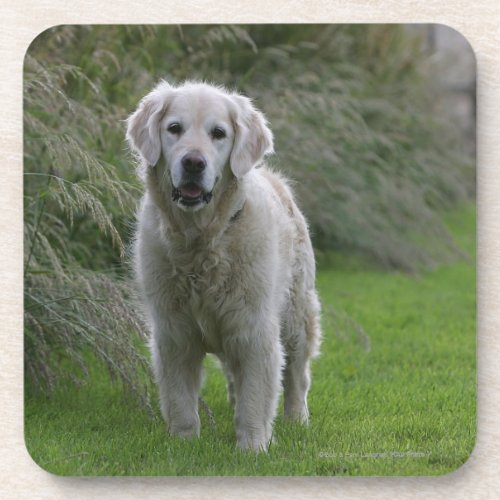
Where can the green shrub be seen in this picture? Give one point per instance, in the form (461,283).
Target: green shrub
(351,108)
(76,208)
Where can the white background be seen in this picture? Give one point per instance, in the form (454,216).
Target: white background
(21,21)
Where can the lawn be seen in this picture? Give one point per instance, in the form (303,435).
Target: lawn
(393,393)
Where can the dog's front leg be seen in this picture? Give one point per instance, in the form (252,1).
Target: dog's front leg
(178,373)
(256,361)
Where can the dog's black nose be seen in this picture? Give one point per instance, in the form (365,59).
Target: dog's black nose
(193,163)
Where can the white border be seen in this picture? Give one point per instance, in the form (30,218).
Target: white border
(22,21)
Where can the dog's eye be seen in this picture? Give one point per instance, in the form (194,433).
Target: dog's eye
(218,133)
(175,128)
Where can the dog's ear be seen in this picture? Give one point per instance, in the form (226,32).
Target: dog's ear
(253,139)
(143,126)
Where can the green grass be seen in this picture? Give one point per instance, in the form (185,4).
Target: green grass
(394,391)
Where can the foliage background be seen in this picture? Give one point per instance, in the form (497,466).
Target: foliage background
(353,112)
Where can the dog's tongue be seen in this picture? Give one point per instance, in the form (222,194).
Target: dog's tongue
(190,191)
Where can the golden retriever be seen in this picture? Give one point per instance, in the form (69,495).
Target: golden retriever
(223,259)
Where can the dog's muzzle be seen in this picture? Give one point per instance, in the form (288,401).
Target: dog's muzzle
(191,194)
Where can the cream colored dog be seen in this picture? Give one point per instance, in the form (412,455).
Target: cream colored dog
(223,259)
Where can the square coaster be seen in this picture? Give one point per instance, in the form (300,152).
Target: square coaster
(129,302)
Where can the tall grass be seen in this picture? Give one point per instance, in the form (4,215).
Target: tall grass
(75,205)
(351,108)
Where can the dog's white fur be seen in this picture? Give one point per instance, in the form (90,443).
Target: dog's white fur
(233,276)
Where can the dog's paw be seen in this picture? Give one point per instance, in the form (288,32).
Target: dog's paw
(185,431)
(250,441)
(297,414)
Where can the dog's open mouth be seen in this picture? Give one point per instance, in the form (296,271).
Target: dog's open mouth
(190,194)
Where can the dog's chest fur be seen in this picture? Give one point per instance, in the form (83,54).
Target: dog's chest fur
(211,281)
(200,281)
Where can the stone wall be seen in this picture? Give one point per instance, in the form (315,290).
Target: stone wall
(456,77)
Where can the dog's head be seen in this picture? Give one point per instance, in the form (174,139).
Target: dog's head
(198,134)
